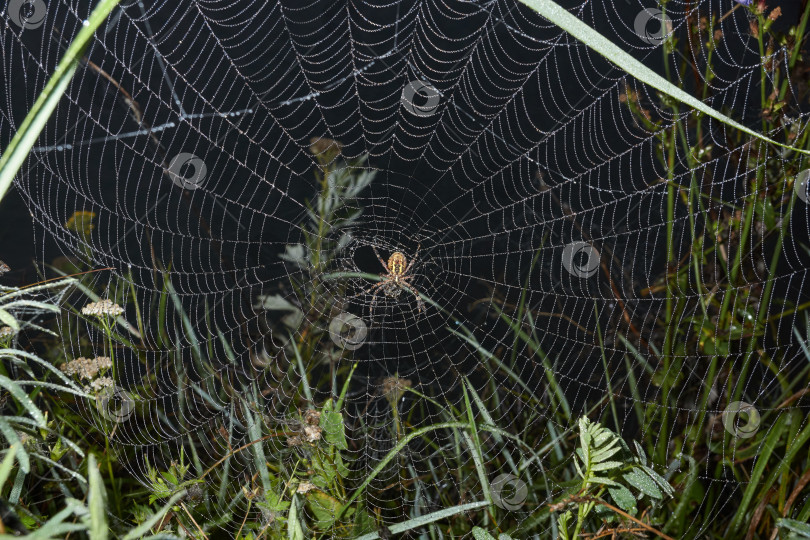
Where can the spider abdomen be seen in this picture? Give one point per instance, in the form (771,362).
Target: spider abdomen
(397,264)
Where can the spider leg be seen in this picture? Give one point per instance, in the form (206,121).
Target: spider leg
(365,291)
(413,259)
(419,301)
(376,288)
(382,262)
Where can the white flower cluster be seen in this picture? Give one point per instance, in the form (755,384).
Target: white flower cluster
(86,368)
(6,331)
(103,307)
(101,383)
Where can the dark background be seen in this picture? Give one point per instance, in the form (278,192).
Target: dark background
(471,231)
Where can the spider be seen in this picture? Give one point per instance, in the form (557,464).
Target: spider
(397,278)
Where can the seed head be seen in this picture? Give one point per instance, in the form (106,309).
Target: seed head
(312,417)
(304,487)
(312,433)
(393,388)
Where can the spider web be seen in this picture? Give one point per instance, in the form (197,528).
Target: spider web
(492,150)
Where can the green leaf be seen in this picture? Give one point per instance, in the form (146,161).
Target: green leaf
(606,451)
(27,134)
(98,513)
(584,440)
(601,436)
(603,481)
(623,498)
(562,524)
(660,480)
(334,432)
(799,527)
(615,54)
(294,529)
(481,534)
(639,480)
(9,319)
(324,508)
(274,302)
(579,471)
(642,456)
(606,466)
(363,523)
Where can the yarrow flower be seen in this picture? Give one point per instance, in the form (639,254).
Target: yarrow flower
(101,383)
(103,307)
(86,368)
(6,331)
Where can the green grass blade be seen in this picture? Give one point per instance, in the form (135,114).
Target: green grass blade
(33,124)
(489,420)
(764,452)
(300,362)
(391,455)
(15,443)
(5,467)
(255,433)
(582,32)
(427,518)
(475,444)
(98,513)
(800,530)
(15,390)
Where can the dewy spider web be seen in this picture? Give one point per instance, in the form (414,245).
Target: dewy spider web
(476,132)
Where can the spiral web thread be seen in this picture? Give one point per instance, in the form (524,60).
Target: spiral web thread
(514,167)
